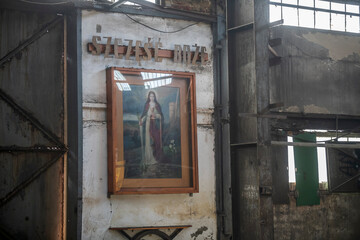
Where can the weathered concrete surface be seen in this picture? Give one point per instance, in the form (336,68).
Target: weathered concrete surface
(337,217)
(243,99)
(99,212)
(203,6)
(319,71)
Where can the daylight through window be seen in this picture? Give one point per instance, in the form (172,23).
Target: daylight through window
(321,154)
(319,14)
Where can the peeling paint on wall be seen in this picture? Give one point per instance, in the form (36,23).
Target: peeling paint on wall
(100,212)
(318,71)
(339,46)
(315,109)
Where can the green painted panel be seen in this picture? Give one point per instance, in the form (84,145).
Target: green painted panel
(307,177)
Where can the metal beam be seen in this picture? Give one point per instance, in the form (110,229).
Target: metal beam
(243,27)
(25,183)
(32,149)
(45,29)
(342,184)
(196,16)
(74,123)
(117,3)
(326,145)
(28,116)
(314,9)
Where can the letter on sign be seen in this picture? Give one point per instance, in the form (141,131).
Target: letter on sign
(96,45)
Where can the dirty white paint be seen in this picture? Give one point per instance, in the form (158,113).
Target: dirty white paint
(99,212)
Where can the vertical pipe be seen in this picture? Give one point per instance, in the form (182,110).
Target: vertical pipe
(223,163)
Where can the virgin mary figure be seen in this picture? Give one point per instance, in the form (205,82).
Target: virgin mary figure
(151,123)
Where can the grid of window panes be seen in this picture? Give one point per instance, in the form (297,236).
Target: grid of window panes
(320,14)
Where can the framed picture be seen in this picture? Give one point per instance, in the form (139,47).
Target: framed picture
(151,132)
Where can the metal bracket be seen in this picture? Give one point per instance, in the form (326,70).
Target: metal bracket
(144,231)
(265,190)
(22,112)
(117,3)
(243,27)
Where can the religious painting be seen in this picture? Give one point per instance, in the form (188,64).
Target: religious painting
(151,125)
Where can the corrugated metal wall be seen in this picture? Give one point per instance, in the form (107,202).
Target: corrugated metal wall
(32,126)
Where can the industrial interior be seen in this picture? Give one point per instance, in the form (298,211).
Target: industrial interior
(180,119)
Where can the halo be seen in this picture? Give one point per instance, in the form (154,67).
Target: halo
(152,90)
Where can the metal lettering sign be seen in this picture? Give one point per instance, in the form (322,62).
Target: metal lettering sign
(146,51)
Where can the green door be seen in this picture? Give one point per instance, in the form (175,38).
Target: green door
(307,177)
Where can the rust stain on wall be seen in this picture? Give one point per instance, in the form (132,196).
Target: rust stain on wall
(198,232)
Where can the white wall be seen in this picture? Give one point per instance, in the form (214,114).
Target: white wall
(101,212)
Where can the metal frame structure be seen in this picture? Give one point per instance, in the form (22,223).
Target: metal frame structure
(75,125)
(315,9)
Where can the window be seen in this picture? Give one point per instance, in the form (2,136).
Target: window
(319,14)
(342,158)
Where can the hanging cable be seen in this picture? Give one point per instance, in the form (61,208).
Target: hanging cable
(158,29)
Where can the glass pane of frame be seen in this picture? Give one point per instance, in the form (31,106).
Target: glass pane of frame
(307,3)
(352,24)
(275,13)
(306,18)
(151,132)
(338,6)
(322,4)
(322,20)
(294,2)
(290,16)
(352,8)
(337,22)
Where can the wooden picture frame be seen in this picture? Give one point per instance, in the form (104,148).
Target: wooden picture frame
(151,132)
